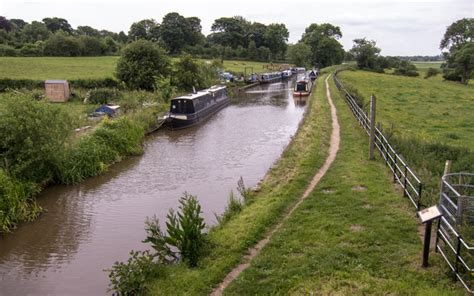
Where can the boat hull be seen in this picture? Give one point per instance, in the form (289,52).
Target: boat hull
(179,122)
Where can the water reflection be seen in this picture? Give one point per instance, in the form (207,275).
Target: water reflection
(85,228)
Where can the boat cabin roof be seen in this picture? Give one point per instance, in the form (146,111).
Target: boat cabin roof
(201,93)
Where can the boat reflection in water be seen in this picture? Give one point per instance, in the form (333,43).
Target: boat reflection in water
(300,100)
(189,110)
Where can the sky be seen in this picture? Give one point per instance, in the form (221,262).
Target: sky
(400,27)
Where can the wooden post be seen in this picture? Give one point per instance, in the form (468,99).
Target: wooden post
(372,127)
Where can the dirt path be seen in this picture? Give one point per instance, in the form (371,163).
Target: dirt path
(333,148)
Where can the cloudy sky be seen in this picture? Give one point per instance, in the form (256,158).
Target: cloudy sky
(400,27)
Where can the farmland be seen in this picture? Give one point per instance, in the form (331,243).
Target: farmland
(42,68)
(430,109)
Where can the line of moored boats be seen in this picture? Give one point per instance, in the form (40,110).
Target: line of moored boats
(189,110)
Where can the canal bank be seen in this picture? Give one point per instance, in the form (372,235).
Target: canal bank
(282,187)
(87,227)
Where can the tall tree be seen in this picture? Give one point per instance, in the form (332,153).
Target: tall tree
(300,54)
(458,40)
(276,37)
(55,24)
(19,23)
(322,39)
(365,53)
(230,31)
(176,31)
(147,29)
(5,24)
(88,31)
(36,31)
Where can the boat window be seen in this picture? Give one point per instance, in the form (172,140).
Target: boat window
(301,87)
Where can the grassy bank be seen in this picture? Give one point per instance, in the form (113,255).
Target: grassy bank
(354,235)
(429,121)
(281,188)
(42,68)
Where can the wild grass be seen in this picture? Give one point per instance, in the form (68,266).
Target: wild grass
(281,188)
(354,235)
(43,68)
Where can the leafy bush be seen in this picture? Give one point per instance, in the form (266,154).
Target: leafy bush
(405,68)
(7,51)
(104,96)
(62,45)
(130,278)
(431,72)
(140,63)
(31,50)
(185,233)
(33,135)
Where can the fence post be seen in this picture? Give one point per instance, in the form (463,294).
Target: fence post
(405,181)
(372,127)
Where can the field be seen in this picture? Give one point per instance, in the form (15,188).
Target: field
(431,110)
(43,68)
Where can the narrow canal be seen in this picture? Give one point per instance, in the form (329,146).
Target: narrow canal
(87,227)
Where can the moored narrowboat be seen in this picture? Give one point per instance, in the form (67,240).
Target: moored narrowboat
(286,74)
(303,87)
(191,109)
(313,74)
(269,77)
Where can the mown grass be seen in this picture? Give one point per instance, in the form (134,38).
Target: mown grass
(428,109)
(282,186)
(354,235)
(42,68)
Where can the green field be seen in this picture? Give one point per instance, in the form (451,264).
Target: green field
(354,235)
(43,68)
(428,109)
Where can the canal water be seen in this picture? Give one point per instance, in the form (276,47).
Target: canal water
(87,227)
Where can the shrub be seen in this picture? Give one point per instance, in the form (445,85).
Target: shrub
(140,63)
(31,50)
(431,72)
(61,45)
(95,83)
(7,51)
(7,83)
(130,278)
(185,233)
(104,96)
(405,68)
(33,134)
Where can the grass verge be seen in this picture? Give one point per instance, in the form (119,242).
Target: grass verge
(281,188)
(354,235)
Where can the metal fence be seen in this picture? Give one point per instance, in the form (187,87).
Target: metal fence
(457,206)
(402,173)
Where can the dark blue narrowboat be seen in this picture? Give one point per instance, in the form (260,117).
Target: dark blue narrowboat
(189,110)
(269,77)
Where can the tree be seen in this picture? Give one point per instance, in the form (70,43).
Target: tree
(300,54)
(141,63)
(256,33)
(122,37)
(62,45)
(187,74)
(173,32)
(458,34)
(147,29)
(458,39)
(35,31)
(18,23)
(322,39)
(406,68)
(90,46)
(230,31)
(5,24)
(264,53)
(194,28)
(56,24)
(276,36)
(88,31)
(366,54)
